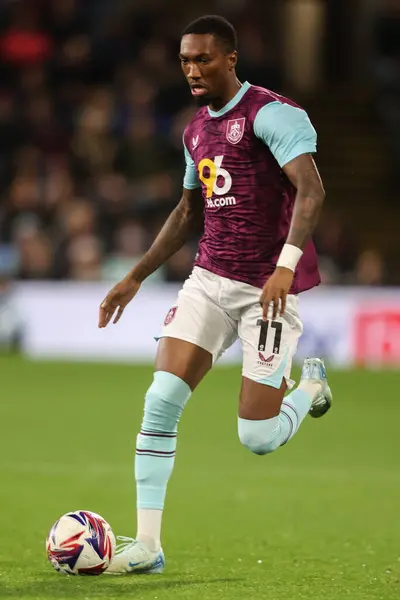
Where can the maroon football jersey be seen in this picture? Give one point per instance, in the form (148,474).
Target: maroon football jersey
(248,199)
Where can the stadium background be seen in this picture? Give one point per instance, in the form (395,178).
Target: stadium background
(92,109)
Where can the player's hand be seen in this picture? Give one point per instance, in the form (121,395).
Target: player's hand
(275,292)
(117,299)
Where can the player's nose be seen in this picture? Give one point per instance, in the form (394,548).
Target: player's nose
(194,72)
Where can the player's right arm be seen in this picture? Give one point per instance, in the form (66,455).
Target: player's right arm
(184,220)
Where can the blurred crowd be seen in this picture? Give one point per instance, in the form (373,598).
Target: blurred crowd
(92,110)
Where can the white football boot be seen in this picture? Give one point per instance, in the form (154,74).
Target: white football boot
(314,370)
(132,556)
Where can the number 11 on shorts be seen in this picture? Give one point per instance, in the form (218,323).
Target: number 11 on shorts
(262,342)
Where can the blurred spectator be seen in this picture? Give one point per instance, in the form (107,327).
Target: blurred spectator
(93,147)
(370,269)
(335,248)
(24,43)
(84,255)
(76,226)
(387,71)
(35,253)
(130,243)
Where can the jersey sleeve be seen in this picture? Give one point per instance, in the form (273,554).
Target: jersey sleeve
(191,180)
(286,130)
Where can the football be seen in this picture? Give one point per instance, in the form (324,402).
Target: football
(80,543)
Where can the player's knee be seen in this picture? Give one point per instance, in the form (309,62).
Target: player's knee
(165,401)
(260,437)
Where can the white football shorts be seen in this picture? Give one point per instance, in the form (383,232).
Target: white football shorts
(213,312)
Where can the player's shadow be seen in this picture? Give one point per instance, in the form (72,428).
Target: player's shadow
(69,588)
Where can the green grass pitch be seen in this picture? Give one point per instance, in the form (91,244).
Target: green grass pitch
(317,520)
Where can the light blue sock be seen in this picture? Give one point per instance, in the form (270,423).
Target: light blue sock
(156,442)
(265,436)
(295,407)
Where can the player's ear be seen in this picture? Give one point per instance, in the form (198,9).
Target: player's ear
(232,60)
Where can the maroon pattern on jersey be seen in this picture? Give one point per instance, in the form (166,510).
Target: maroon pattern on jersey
(247,222)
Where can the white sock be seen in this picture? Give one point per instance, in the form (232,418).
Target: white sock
(149,527)
(311,387)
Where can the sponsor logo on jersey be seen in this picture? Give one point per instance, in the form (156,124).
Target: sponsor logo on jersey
(264,360)
(235,130)
(195,141)
(217,181)
(220,202)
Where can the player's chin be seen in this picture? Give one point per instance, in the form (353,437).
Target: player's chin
(203,99)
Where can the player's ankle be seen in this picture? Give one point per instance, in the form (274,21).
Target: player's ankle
(311,387)
(151,543)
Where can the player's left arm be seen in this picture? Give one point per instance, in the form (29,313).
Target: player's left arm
(292,140)
(303,173)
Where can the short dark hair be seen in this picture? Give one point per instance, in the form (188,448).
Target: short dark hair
(217,26)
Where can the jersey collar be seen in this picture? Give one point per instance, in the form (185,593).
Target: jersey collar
(232,103)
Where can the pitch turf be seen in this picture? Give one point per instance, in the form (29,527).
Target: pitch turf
(319,519)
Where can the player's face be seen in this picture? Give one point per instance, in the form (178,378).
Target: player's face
(206,66)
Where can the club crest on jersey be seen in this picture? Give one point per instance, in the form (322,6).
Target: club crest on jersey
(170,315)
(235,130)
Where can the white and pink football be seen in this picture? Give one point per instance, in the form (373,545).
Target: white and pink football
(80,543)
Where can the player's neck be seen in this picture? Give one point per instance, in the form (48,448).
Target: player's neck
(230,93)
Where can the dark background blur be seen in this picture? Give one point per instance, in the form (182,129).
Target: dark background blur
(93,106)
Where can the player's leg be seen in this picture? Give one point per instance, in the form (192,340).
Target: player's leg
(195,333)
(267,419)
(183,359)
(179,368)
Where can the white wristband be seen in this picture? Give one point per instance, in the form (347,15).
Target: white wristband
(289,257)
